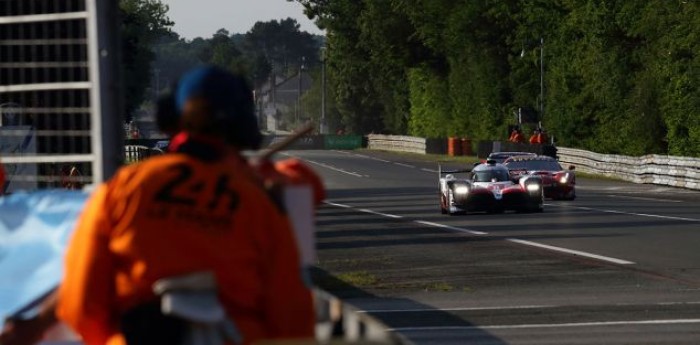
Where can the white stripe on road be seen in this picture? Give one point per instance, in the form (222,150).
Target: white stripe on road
(335,169)
(457,309)
(438,225)
(548,325)
(379,213)
(694,220)
(405,165)
(429,170)
(513,240)
(336,204)
(516,307)
(571,251)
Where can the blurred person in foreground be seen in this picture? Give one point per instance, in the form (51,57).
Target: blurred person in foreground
(192,210)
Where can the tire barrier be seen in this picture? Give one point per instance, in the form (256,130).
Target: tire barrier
(683,172)
(404,143)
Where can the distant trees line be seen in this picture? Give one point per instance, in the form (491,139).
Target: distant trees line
(619,76)
(154,56)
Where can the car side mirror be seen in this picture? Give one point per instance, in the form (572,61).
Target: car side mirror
(571,167)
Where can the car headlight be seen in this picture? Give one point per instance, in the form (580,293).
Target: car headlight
(564,179)
(461,190)
(533,187)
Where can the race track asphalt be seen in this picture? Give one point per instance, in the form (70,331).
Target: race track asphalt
(619,265)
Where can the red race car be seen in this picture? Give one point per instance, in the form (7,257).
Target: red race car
(559,184)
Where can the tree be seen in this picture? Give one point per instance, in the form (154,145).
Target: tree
(282,44)
(144,22)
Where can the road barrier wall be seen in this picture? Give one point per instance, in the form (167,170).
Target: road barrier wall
(404,143)
(673,171)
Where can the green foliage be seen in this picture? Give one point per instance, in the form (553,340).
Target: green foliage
(143,23)
(619,77)
(430,104)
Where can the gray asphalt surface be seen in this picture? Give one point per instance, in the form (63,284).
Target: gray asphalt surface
(619,265)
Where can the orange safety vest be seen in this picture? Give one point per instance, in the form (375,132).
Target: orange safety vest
(172,215)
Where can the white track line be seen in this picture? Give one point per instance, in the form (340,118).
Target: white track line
(379,213)
(337,205)
(571,251)
(438,225)
(516,307)
(427,310)
(546,325)
(694,220)
(513,240)
(405,165)
(336,169)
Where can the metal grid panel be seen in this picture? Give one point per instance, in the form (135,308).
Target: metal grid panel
(47,119)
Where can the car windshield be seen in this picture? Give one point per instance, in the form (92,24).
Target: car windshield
(491,176)
(545,165)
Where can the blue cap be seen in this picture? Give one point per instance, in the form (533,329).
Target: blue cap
(229,97)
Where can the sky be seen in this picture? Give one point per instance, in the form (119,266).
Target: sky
(202,18)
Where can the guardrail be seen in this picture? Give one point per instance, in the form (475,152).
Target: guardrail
(673,171)
(404,143)
(396,143)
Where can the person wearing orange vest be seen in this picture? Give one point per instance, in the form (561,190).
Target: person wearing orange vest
(195,209)
(516,136)
(538,137)
(534,138)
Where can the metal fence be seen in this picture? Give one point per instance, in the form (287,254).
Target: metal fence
(54,97)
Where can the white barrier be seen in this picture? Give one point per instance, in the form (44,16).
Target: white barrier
(673,171)
(396,143)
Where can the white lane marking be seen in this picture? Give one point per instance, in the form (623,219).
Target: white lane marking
(457,309)
(380,160)
(336,169)
(336,204)
(514,240)
(516,307)
(438,225)
(549,325)
(429,170)
(405,165)
(642,198)
(379,213)
(571,251)
(344,152)
(694,220)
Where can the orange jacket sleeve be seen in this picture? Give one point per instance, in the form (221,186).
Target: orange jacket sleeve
(288,303)
(86,293)
(298,172)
